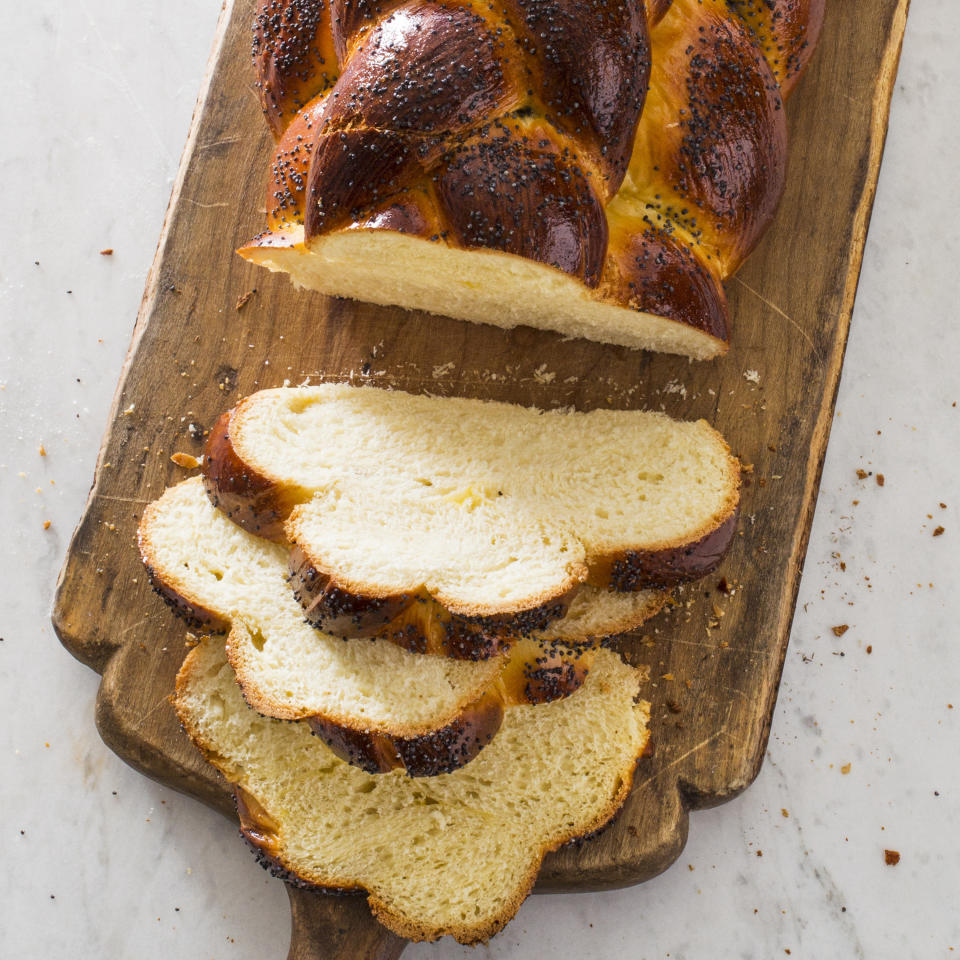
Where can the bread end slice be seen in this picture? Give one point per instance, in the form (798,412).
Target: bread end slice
(455,855)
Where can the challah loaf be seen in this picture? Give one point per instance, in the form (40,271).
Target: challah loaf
(497,512)
(455,855)
(597,169)
(376,704)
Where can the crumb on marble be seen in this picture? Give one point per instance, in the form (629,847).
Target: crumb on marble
(938,532)
(891,857)
(840,629)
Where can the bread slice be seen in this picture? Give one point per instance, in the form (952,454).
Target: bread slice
(377,704)
(498,512)
(455,855)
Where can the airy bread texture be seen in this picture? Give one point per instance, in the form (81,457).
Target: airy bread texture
(378,705)
(594,169)
(455,855)
(498,512)
(218,572)
(393,268)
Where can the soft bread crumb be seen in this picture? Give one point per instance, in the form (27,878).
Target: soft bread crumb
(534,499)
(456,854)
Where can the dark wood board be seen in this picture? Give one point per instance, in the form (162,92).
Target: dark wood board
(194,353)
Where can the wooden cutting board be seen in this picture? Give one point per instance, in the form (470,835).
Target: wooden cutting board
(715,658)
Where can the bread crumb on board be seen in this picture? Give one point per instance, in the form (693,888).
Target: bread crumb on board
(891,857)
(244,298)
(185,460)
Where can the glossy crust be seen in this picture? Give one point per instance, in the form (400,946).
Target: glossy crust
(589,66)
(294,57)
(514,125)
(710,153)
(264,833)
(255,502)
(441,752)
(652,271)
(413,620)
(663,569)
(532,675)
(786,31)
(439,96)
(510,189)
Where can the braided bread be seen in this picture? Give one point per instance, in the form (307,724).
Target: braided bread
(598,168)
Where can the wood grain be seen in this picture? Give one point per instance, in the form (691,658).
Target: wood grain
(715,658)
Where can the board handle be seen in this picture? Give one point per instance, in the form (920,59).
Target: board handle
(325,927)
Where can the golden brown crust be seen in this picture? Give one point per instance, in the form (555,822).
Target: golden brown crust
(589,67)
(261,829)
(511,189)
(441,92)
(650,270)
(513,126)
(416,620)
(293,54)
(442,751)
(669,567)
(709,159)
(251,499)
(786,31)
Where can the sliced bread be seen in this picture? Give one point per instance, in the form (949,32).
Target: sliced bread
(496,511)
(455,855)
(377,704)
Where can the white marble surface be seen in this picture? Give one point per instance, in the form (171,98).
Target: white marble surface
(103,863)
